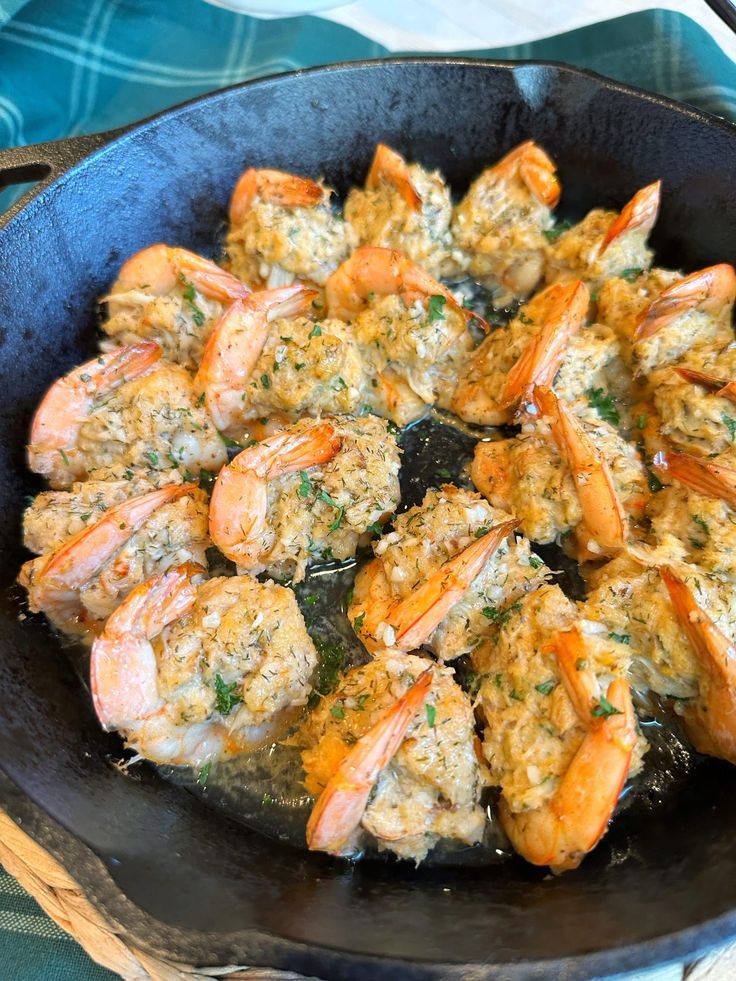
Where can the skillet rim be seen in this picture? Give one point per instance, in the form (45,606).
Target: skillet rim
(254,946)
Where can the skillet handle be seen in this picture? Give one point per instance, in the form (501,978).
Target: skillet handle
(45,163)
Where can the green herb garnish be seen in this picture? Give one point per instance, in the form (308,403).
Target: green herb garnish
(436,306)
(632,274)
(604,709)
(305,484)
(190,297)
(604,405)
(730,424)
(431,714)
(552,234)
(620,638)
(225,696)
(546,687)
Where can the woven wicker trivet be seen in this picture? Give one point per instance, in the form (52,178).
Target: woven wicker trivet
(60,896)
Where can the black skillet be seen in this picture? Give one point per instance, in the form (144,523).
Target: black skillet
(175,876)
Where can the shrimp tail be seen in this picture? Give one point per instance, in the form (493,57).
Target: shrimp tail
(603,514)
(640,212)
(123,670)
(711,720)
(415,617)
(390,166)
(341,805)
(540,360)
(719,386)
(52,581)
(710,290)
(561,832)
(703,476)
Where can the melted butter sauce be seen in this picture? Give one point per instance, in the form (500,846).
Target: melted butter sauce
(263,790)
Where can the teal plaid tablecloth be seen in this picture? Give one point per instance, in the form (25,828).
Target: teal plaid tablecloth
(77,66)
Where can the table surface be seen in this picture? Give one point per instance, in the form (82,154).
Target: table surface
(84,47)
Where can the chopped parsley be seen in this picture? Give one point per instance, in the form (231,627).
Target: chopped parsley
(64,457)
(358,622)
(305,484)
(480,532)
(632,274)
(230,443)
(702,523)
(316,331)
(604,405)
(500,617)
(524,319)
(337,712)
(207,480)
(152,457)
(225,696)
(620,638)
(604,709)
(331,662)
(431,715)
(516,696)
(265,381)
(334,525)
(730,424)
(200,401)
(547,687)
(375,528)
(204,774)
(190,297)
(641,421)
(361,700)
(340,384)
(535,562)
(85,517)
(436,307)
(552,234)
(444,473)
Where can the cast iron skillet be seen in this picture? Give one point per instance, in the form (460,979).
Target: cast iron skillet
(176,877)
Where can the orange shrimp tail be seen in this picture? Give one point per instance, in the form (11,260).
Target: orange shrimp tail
(390,166)
(711,290)
(535,168)
(561,832)
(640,212)
(540,360)
(417,616)
(720,386)
(275,187)
(84,554)
(711,719)
(338,812)
(709,479)
(123,674)
(603,514)
(579,680)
